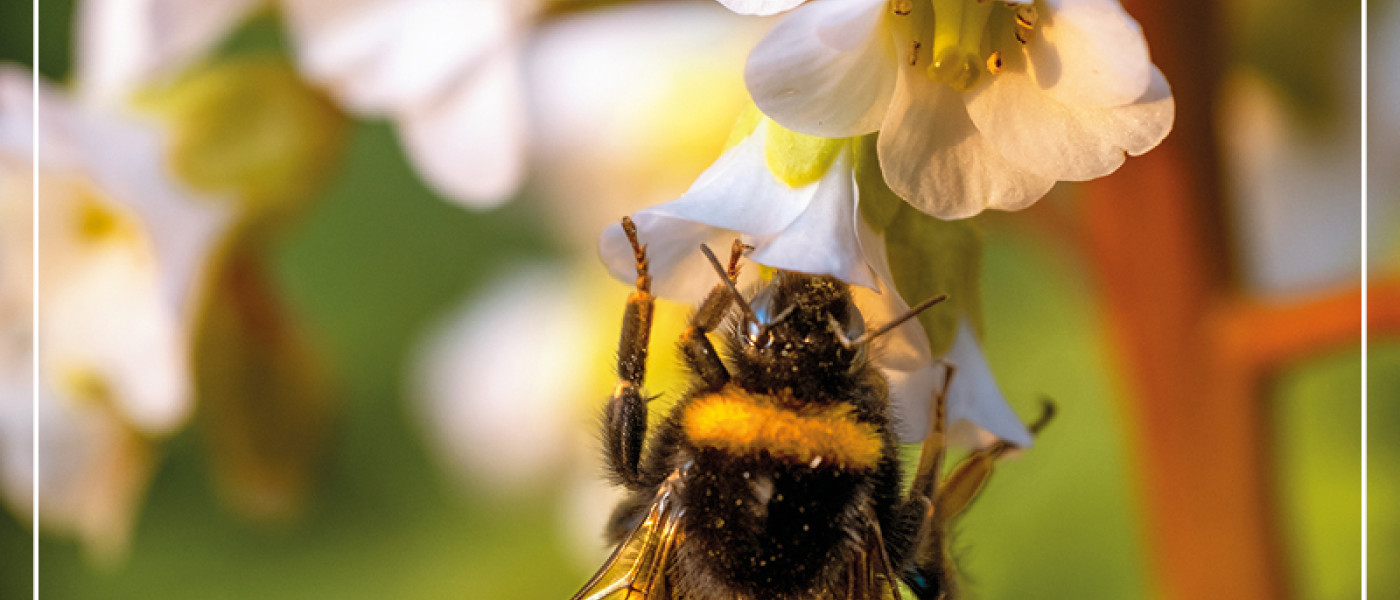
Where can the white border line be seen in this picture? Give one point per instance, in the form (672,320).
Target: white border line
(1365,401)
(34,280)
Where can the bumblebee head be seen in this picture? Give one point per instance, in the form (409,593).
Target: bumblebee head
(801,334)
(794,311)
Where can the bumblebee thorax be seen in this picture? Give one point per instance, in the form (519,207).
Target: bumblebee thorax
(781,426)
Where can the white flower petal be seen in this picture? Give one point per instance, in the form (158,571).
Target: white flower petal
(906,348)
(1065,141)
(911,396)
(107,321)
(123,44)
(127,161)
(470,144)
(17,440)
(380,56)
(760,7)
(826,70)
(739,193)
(903,354)
(94,474)
(914,377)
(811,229)
(17,110)
(935,158)
(823,239)
(1090,53)
(679,271)
(974,396)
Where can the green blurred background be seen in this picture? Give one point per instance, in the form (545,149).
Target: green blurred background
(380,258)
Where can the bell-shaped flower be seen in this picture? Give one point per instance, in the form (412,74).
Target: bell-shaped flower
(122,247)
(793,199)
(797,210)
(978,104)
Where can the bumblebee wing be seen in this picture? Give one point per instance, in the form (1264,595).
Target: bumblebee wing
(637,568)
(872,575)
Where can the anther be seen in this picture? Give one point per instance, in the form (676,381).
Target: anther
(902,7)
(994,62)
(1025,22)
(914,53)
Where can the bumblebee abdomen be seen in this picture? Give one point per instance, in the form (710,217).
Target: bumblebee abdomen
(772,492)
(769,528)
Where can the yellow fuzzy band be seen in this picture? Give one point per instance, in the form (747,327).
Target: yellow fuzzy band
(739,422)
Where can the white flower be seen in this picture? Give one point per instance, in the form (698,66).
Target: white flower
(446,72)
(498,382)
(969,116)
(121,250)
(123,44)
(811,228)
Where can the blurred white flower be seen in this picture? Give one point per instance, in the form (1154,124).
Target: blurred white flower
(811,228)
(499,383)
(446,72)
(985,106)
(628,103)
(121,247)
(16,316)
(124,44)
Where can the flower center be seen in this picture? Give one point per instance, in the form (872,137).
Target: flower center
(965,37)
(958,27)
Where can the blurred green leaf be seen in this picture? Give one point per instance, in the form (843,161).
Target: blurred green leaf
(930,256)
(264,397)
(250,126)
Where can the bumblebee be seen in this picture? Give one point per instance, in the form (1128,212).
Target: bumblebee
(777,475)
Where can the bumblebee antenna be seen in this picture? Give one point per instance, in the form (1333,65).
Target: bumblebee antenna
(887,327)
(728,283)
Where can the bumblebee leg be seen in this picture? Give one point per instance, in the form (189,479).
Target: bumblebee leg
(935,444)
(625,424)
(929,573)
(699,352)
